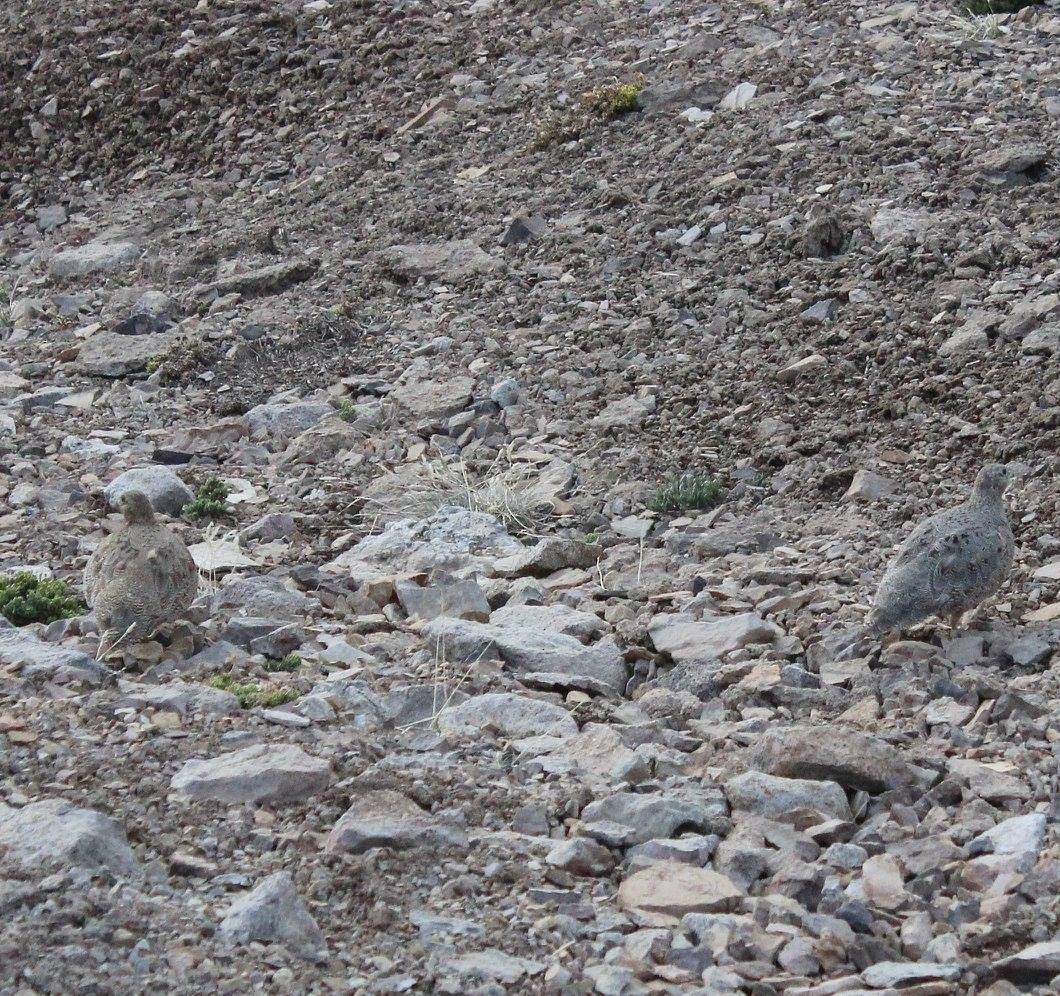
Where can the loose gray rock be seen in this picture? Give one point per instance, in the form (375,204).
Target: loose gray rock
(93,258)
(274,773)
(49,661)
(509,714)
(54,834)
(273,913)
(661,815)
(854,760)
(109,354)
(767,795)
(581,856)
(167,492)
(389,819)
(447,261)
(528,650)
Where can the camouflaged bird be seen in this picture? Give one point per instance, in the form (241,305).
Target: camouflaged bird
(951,562)
(140,576)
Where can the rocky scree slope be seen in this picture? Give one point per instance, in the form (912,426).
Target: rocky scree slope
(589,748)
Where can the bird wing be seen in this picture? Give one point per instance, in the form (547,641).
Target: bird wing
(97,566)
(178,577)
(966,564)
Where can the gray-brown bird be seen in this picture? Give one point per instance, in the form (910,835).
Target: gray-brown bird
(951,562)
(139,576)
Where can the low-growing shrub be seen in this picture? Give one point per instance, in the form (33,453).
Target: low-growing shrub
(685,492)
(211,500)
(26,598)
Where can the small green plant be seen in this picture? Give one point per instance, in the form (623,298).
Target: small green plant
(346,410)
(25,598)
(602,103)
(612,100)
(292,662)
(155,364)
(210,500)
(685,492)
(251,694)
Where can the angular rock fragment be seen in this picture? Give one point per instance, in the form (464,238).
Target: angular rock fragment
(54,833)
(389,819)
(273,913)
(855,760)
(676,889)
(273,773)
(509,714)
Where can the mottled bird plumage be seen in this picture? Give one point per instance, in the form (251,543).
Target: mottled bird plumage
(140,575)
(951,561)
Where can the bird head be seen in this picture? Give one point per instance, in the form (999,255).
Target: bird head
(136,507)
(991,481)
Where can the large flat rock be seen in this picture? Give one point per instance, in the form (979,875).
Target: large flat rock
(108,354)
(49,661)
(530,650)
(93,258)
(509,714)
(54,833)
(274,773)
(854,760)
(686,639)
(674,889)
(389,819)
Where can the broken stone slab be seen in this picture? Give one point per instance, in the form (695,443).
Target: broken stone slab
(491,965)
(434,399)
(263,280)
(899,225)
(273,773)
(674,889)
(773,797)
(902,974)
(511,715)
(687,640)
(49,661)
(273,913)
(1015,163)
(528,650)
(456,599)
(53,834)
(92,258)
(279,422)
(109,354)
(184,698)
(452,539)
(214,556)
(1016,835)
(883,883)
(548,556)
(445,261)
(662,814)
(625,413)
(867,486)
(386,818)
(813,365)
(581,856)
(557,618)
(264,597)
(1039,963)
(988,782)
(854,760)
(167,492)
